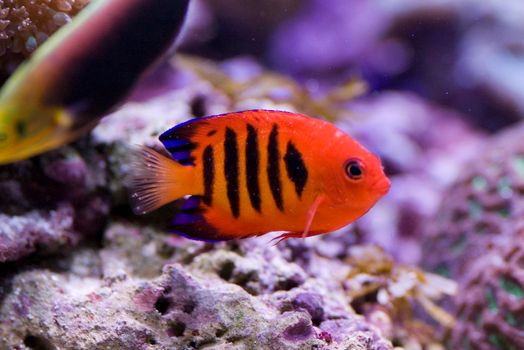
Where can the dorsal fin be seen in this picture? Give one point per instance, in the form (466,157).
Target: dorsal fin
(179,140)
(182,139)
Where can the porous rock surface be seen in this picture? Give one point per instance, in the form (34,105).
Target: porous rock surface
(145,290)
(51,202)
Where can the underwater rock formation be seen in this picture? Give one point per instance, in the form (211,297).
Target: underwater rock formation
(49,202)
(114,282)
(243,295)
(113,274)
(25,24)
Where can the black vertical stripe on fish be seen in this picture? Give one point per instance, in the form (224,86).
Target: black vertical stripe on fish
(208,174)
(231,168)
(252,167)
(273,167)
(296,168)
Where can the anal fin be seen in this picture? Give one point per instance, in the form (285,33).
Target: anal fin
(190,221)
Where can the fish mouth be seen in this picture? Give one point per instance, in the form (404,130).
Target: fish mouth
(382,185)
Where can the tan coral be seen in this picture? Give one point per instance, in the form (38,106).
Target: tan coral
(379,286)
(25,24)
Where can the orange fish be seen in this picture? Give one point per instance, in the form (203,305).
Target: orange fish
(247,173)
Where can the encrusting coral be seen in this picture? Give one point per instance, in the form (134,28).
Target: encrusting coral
(488,196)
(25,24)
(491,313)
(477,240)
(50,202)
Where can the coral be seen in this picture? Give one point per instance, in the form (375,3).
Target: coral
(487,196)
(25,24)
(299,47)
(476,239)
(21,234)
(389,293)
(491,313)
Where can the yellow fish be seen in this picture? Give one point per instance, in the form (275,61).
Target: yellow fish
(82,72)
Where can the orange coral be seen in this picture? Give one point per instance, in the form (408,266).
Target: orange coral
(25,24)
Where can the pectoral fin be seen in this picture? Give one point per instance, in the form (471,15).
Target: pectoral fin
(309,221)
(311,213)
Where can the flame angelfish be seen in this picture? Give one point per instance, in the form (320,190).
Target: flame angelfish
(247,173)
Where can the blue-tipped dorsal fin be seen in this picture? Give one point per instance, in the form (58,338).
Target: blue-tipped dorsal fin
(179,140)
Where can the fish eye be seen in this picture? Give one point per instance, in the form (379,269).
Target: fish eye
(354,169)
(21,128)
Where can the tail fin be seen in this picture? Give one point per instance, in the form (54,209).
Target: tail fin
(155,180)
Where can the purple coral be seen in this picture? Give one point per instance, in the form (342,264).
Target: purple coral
(476,239)
(344,33)
(477,208)
(21,235)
